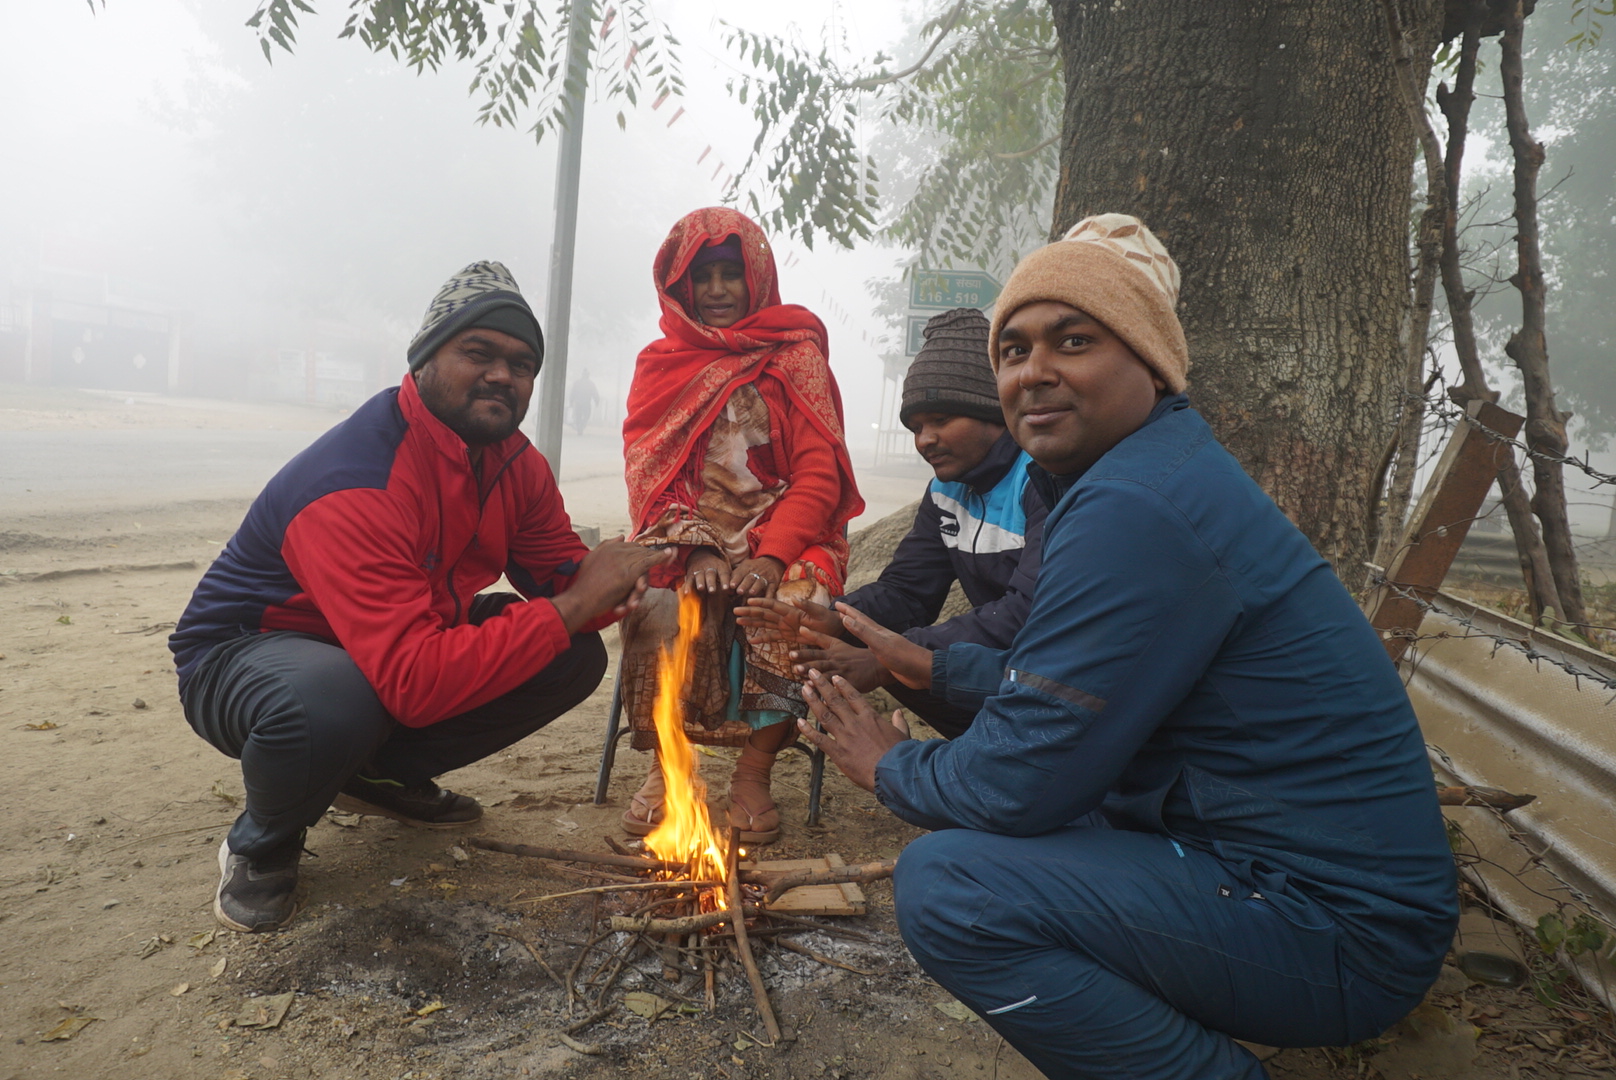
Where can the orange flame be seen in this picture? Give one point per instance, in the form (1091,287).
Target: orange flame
(686,833)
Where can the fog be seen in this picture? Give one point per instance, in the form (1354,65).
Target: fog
(312,206)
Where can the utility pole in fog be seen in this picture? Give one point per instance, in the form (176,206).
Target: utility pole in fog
(550,416)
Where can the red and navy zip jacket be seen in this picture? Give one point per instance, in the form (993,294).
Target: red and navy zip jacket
(376,538)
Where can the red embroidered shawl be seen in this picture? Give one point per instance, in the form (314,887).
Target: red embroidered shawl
(684,378)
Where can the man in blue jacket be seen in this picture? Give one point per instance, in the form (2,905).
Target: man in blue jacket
(979,523)
(1194,806)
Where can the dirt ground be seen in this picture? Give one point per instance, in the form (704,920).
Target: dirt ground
(112,811)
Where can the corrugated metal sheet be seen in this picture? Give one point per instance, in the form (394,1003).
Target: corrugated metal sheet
(1495,717)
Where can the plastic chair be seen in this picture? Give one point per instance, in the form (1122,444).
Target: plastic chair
(615,731)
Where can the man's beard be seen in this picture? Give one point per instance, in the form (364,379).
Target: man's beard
(474,430)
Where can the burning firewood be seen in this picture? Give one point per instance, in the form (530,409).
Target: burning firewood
(688,885)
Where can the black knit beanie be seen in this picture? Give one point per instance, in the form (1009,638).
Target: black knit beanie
(951,373)
(483,294)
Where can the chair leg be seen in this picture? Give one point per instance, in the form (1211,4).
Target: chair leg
(614,732)
(816,781)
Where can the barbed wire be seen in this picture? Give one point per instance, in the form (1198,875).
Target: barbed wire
(1442,407)
(1534,859)
(1524,646)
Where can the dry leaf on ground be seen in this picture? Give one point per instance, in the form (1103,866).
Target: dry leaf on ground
(266,1012)
(68,1028)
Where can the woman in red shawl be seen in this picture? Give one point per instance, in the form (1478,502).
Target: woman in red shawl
(734,452)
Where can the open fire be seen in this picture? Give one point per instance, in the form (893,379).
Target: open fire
(686,834)
(692,886)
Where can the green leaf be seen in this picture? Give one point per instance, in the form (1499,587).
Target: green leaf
(1551,932)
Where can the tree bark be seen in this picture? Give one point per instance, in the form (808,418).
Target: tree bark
(1528,346)
(1387,522)
(1269,147)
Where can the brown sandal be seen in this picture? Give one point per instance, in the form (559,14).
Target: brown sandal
(751,807)
(644,813)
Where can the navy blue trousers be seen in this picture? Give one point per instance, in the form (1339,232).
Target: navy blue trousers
(302,719)
(1102,953)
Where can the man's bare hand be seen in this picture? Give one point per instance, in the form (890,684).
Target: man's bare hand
(854,663)
(611,579)
(854,737)
(768,619)
(909,663)
(706,572)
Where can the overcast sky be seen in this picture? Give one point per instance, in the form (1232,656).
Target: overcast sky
(152,135)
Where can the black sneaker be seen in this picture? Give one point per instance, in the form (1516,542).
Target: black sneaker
(425,807)
(256,895)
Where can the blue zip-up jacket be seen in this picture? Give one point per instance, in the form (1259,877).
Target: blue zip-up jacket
(982,530)
(1191,667)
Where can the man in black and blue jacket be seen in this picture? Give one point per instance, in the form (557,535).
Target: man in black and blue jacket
(1194,805)
(979,524)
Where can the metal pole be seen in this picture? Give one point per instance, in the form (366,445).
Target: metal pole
(551,413)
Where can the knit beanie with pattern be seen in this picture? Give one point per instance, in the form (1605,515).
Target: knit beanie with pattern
(1113,268)
(951,373)
(483,294)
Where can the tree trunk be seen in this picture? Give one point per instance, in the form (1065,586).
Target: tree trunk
(1528,347)
(1387,522)
(1471,25)
(1268,146)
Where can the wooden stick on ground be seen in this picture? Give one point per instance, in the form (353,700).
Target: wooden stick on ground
(600,890)
(645,924)
(595,1017)
(1465,795)
(810,924)
(760,993)
(709,972)
(779,885)
(534,951)
(568,855)
(785,943)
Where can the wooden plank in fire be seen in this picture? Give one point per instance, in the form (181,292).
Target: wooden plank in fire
(844,898)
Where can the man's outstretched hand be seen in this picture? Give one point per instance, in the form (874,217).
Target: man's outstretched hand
(611,579)
(909,663)
(770,619)
(854,738)
(832,656)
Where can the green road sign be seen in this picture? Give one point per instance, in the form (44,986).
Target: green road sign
(944,289)
(915,336)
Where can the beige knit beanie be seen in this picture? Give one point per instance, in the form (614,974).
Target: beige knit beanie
(1111,267)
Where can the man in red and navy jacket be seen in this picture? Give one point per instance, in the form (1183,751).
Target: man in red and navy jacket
(339,648)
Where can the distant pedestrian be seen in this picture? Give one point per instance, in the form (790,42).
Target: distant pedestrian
(581,401)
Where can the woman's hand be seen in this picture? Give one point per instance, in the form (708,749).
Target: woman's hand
(769,619)
(757,577)
(706,572)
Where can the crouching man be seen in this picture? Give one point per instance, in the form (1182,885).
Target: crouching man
(1194,806)
(338,646)
(979,523)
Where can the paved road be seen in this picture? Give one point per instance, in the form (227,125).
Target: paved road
(46,470)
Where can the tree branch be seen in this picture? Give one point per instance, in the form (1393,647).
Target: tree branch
(1029,152)
(872,81)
